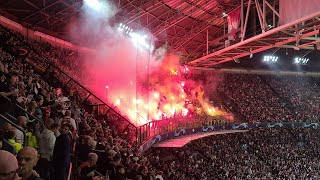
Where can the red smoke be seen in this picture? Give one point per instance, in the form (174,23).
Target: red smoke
(142,84)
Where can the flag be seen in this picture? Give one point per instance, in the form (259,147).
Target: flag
(234,22)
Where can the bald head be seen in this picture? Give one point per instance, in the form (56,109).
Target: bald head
(27,159)
(8,166)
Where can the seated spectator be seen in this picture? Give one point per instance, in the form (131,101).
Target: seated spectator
(11,139)
(8,166)
(5,145)
(32,140)
(6,127)
(86,170)
(84,148)
(27,159)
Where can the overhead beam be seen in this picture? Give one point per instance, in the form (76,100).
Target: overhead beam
(174,20)
(59,19)
(42,9)
(258,37)
(278,44)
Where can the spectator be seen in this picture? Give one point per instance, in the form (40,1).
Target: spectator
(32,140)
(27,159)
(22,123)
(112,167)
(55,128)
(67,119)
(120,173)
(86,170)
(8,166)
(47,141)
(5,145)
(61,152)
(11,139)
(9,90)
(84,148)
(38,111)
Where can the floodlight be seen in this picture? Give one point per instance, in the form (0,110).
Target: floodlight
(270,58)
(94,4)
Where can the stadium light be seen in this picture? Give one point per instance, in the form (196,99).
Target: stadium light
(124,28)
(140,39)
(224,14)
(302,61)
(270,58)
(94,4)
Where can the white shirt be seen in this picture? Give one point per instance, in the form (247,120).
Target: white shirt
(47,139)
(19,136)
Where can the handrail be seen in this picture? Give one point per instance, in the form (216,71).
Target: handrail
(69,171)
(57,68)
(30,115)
(16,126)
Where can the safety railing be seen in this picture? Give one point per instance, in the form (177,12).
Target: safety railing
(16,106)
(16,126)
(154,128)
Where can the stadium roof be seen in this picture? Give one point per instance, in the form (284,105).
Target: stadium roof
(196,28)
(182,24)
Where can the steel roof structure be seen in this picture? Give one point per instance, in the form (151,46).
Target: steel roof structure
(290,35)
(181,24)
(194,28)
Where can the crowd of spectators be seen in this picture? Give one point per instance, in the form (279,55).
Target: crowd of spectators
(273,98)
(302,92)
(254,99)
(257,154)
(60,126)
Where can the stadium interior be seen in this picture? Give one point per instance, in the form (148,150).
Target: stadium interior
(159,89)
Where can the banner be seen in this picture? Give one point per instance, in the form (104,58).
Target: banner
(233,23)
(291,10)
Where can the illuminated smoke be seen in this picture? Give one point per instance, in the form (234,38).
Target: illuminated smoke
(141,83)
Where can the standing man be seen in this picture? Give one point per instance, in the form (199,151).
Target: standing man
(61,152)
(47,141)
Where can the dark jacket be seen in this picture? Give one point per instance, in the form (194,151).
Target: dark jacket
(61,152)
